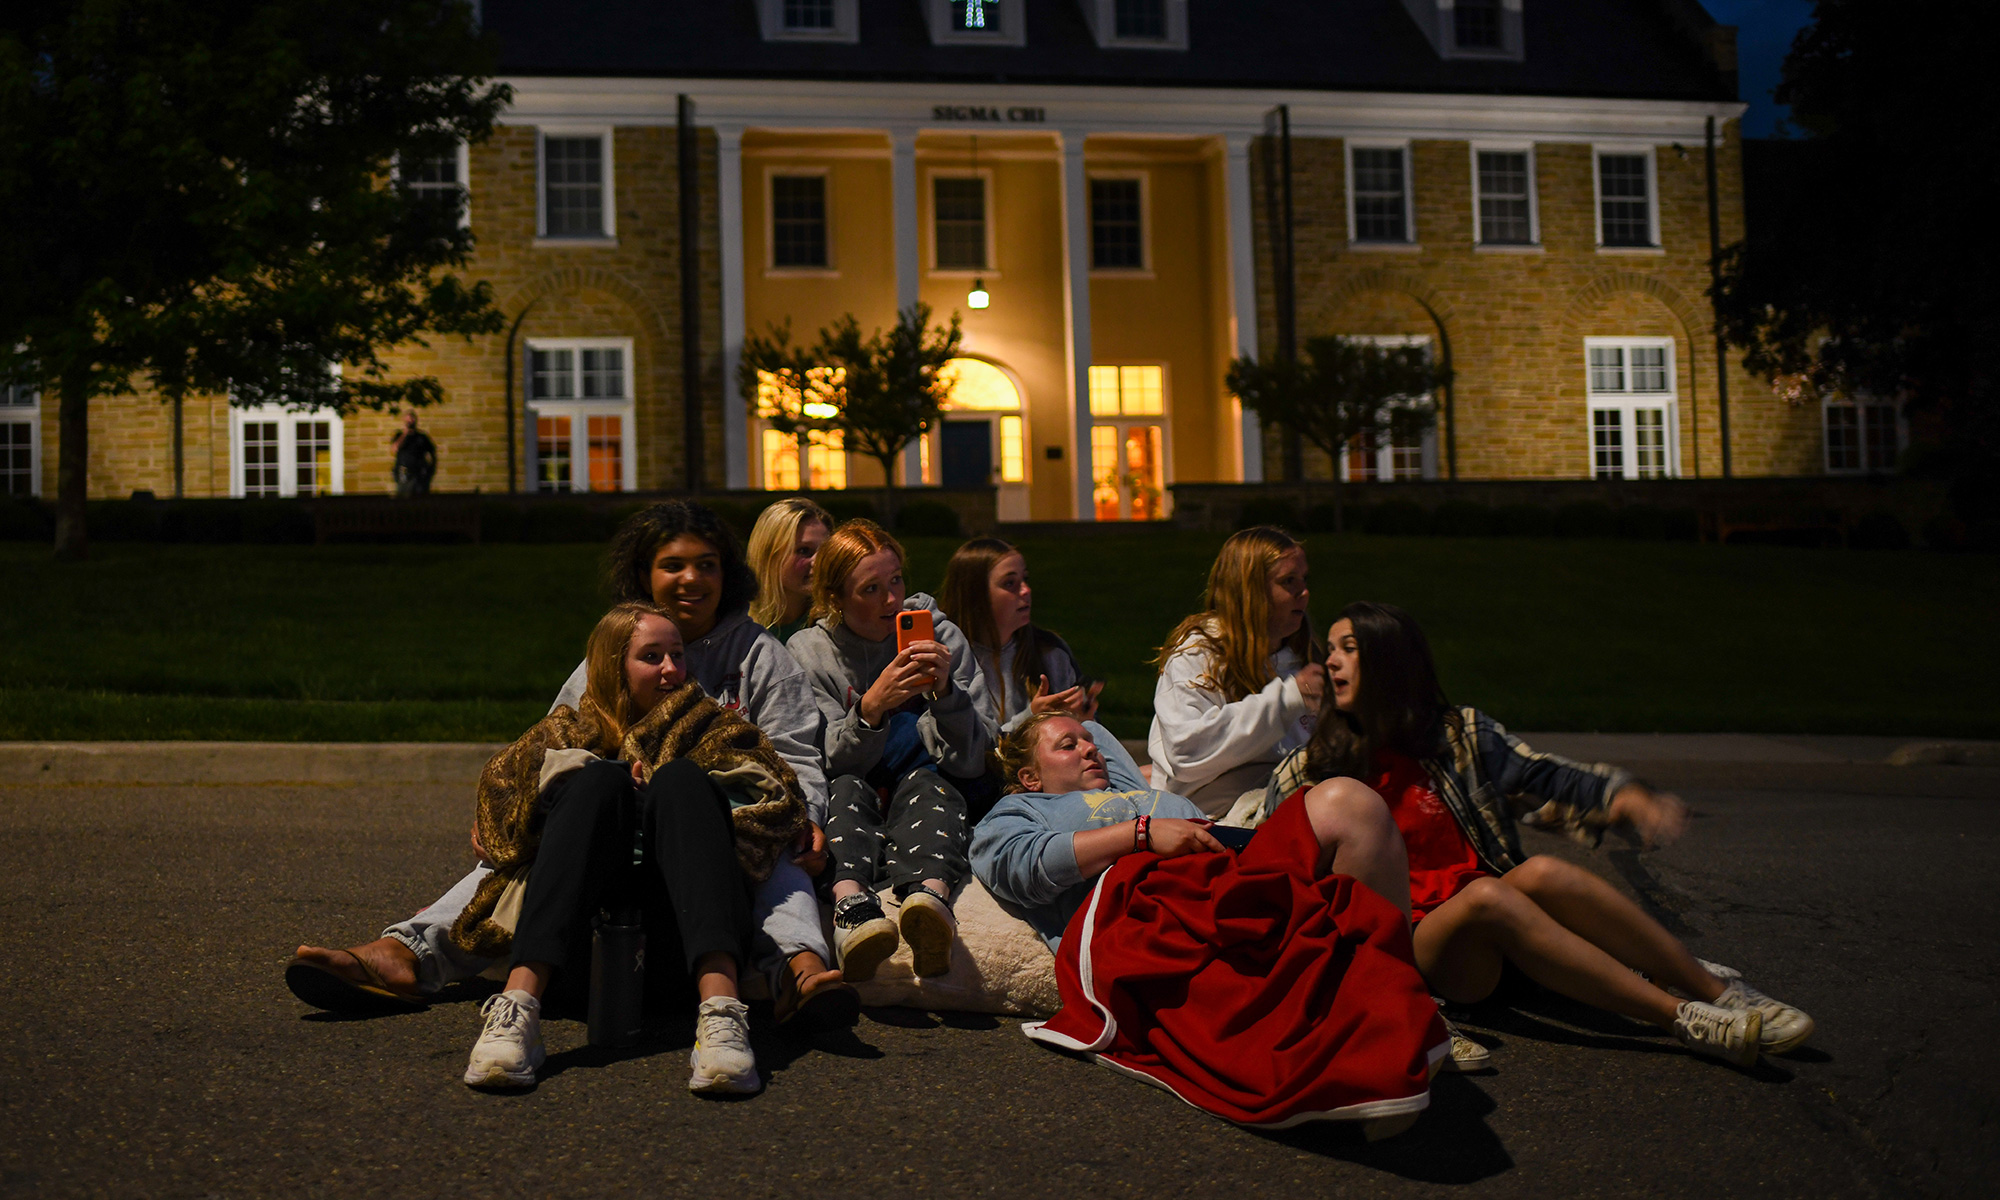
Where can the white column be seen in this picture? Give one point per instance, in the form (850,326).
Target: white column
(1076,311)
(1243,288)
(909,271)
(729,196)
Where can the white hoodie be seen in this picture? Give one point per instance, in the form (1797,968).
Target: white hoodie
(1212,752)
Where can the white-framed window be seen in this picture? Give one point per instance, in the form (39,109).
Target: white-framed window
(800,226)
(20,440)
(809,20)
(1398,456)
(274,451)
(1130,444)
(576,200)
(1634,421)
(976,22)
(1138,24)
(1863,437)
(1379,206)
(961,229)
(580,415)
(1120,224)
(1504,210)
(1628,210)
(446,176)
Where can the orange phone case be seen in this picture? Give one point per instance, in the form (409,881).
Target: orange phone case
(914,625)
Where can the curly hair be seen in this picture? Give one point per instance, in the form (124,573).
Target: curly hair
(1016,751)
(629,561)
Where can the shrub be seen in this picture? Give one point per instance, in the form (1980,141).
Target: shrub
(208,522)
(1523,520)
(1586,519)
(1271,510)
(500,521)
(1644,522)
(561,521)
(1879,531)
(927,518)
(25,520)
(1399,518)
(1319,518)
(276,521)
(1683,525)
(123,520)
(846,508)
(1462,518)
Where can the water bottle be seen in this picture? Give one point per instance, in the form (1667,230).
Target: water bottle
(617,977)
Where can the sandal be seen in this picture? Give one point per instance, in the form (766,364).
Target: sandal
(323,987)
(826,1004)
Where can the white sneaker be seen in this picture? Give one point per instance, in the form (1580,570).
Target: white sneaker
(1727,1034)
(928,925)
(863,939)
(509,1050)
(1785,1028)
(1466,1054)
(722,1060)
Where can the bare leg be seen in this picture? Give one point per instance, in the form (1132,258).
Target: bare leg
(1601,915)
(715,975)
(1461,944)
(392,960)
(843,888)
(1358,838)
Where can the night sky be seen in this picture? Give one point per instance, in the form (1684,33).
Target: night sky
(1764,33)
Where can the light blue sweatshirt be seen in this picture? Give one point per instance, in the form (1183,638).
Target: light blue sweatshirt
(1025,849)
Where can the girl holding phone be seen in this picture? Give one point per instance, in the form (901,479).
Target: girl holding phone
(906,713)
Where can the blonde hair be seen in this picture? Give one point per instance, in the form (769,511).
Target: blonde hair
(1234,626)
(772,541)
(606,708)
(1016,750)
(843,551)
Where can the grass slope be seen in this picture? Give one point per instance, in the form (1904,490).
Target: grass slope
(461,642)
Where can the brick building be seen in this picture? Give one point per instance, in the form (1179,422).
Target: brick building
(1521,185)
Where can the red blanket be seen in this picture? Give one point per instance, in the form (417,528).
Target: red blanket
(1249,988)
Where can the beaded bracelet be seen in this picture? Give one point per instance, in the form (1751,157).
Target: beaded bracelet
(1142,834)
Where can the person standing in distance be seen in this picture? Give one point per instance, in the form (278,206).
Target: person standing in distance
(416,457)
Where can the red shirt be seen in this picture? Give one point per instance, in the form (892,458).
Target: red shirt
(1442,860)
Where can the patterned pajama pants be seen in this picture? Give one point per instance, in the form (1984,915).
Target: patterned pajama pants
(923,834)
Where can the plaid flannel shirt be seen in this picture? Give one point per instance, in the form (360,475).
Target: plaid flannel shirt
(1488,778)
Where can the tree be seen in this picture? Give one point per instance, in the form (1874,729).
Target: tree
(201,195)
(1344,392)
(1865,269)
(882,391)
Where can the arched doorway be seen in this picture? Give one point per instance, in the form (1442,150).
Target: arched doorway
(983,438)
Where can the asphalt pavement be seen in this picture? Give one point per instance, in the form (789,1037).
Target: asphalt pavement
(150,1047)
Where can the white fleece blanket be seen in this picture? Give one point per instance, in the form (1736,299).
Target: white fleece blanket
(998,965)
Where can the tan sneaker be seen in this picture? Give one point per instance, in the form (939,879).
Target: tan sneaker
(509,1050)
(930,928)
(863,939)
(1785,1028)
(1466,1054)
(1728,1034)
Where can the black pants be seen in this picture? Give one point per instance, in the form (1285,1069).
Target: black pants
(692,895)
(923,835)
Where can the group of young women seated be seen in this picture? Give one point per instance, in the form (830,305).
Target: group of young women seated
(1263,921)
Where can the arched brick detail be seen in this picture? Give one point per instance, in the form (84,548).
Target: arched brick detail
(1390,279)
(1693,318)
(571,279)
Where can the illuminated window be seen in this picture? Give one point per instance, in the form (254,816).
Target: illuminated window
(280,453)
(580,397)
(826,462)
(1127,391)
(1013,460)
(1127,457)
(981,390)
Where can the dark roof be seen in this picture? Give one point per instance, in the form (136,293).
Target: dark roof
(1637,49)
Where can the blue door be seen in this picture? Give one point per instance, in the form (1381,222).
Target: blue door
(968,454)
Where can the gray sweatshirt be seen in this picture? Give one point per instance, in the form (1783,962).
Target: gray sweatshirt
(1057,663)
(1024,851)
(957,727)
(743,667)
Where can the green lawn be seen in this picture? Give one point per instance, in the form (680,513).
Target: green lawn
(461,642)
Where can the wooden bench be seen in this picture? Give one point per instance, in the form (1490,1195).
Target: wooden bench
(1715,527)
(381,518)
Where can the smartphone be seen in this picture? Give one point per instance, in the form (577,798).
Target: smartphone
(915,625)
(1231,836)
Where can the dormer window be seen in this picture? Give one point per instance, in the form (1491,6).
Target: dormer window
(1137,24)
(975,22)
(809,20)
(1470,28)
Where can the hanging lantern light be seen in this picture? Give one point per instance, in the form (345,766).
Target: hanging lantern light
(977,297)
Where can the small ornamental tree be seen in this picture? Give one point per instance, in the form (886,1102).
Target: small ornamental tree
(1342,393)
(201,196)
(881,390)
